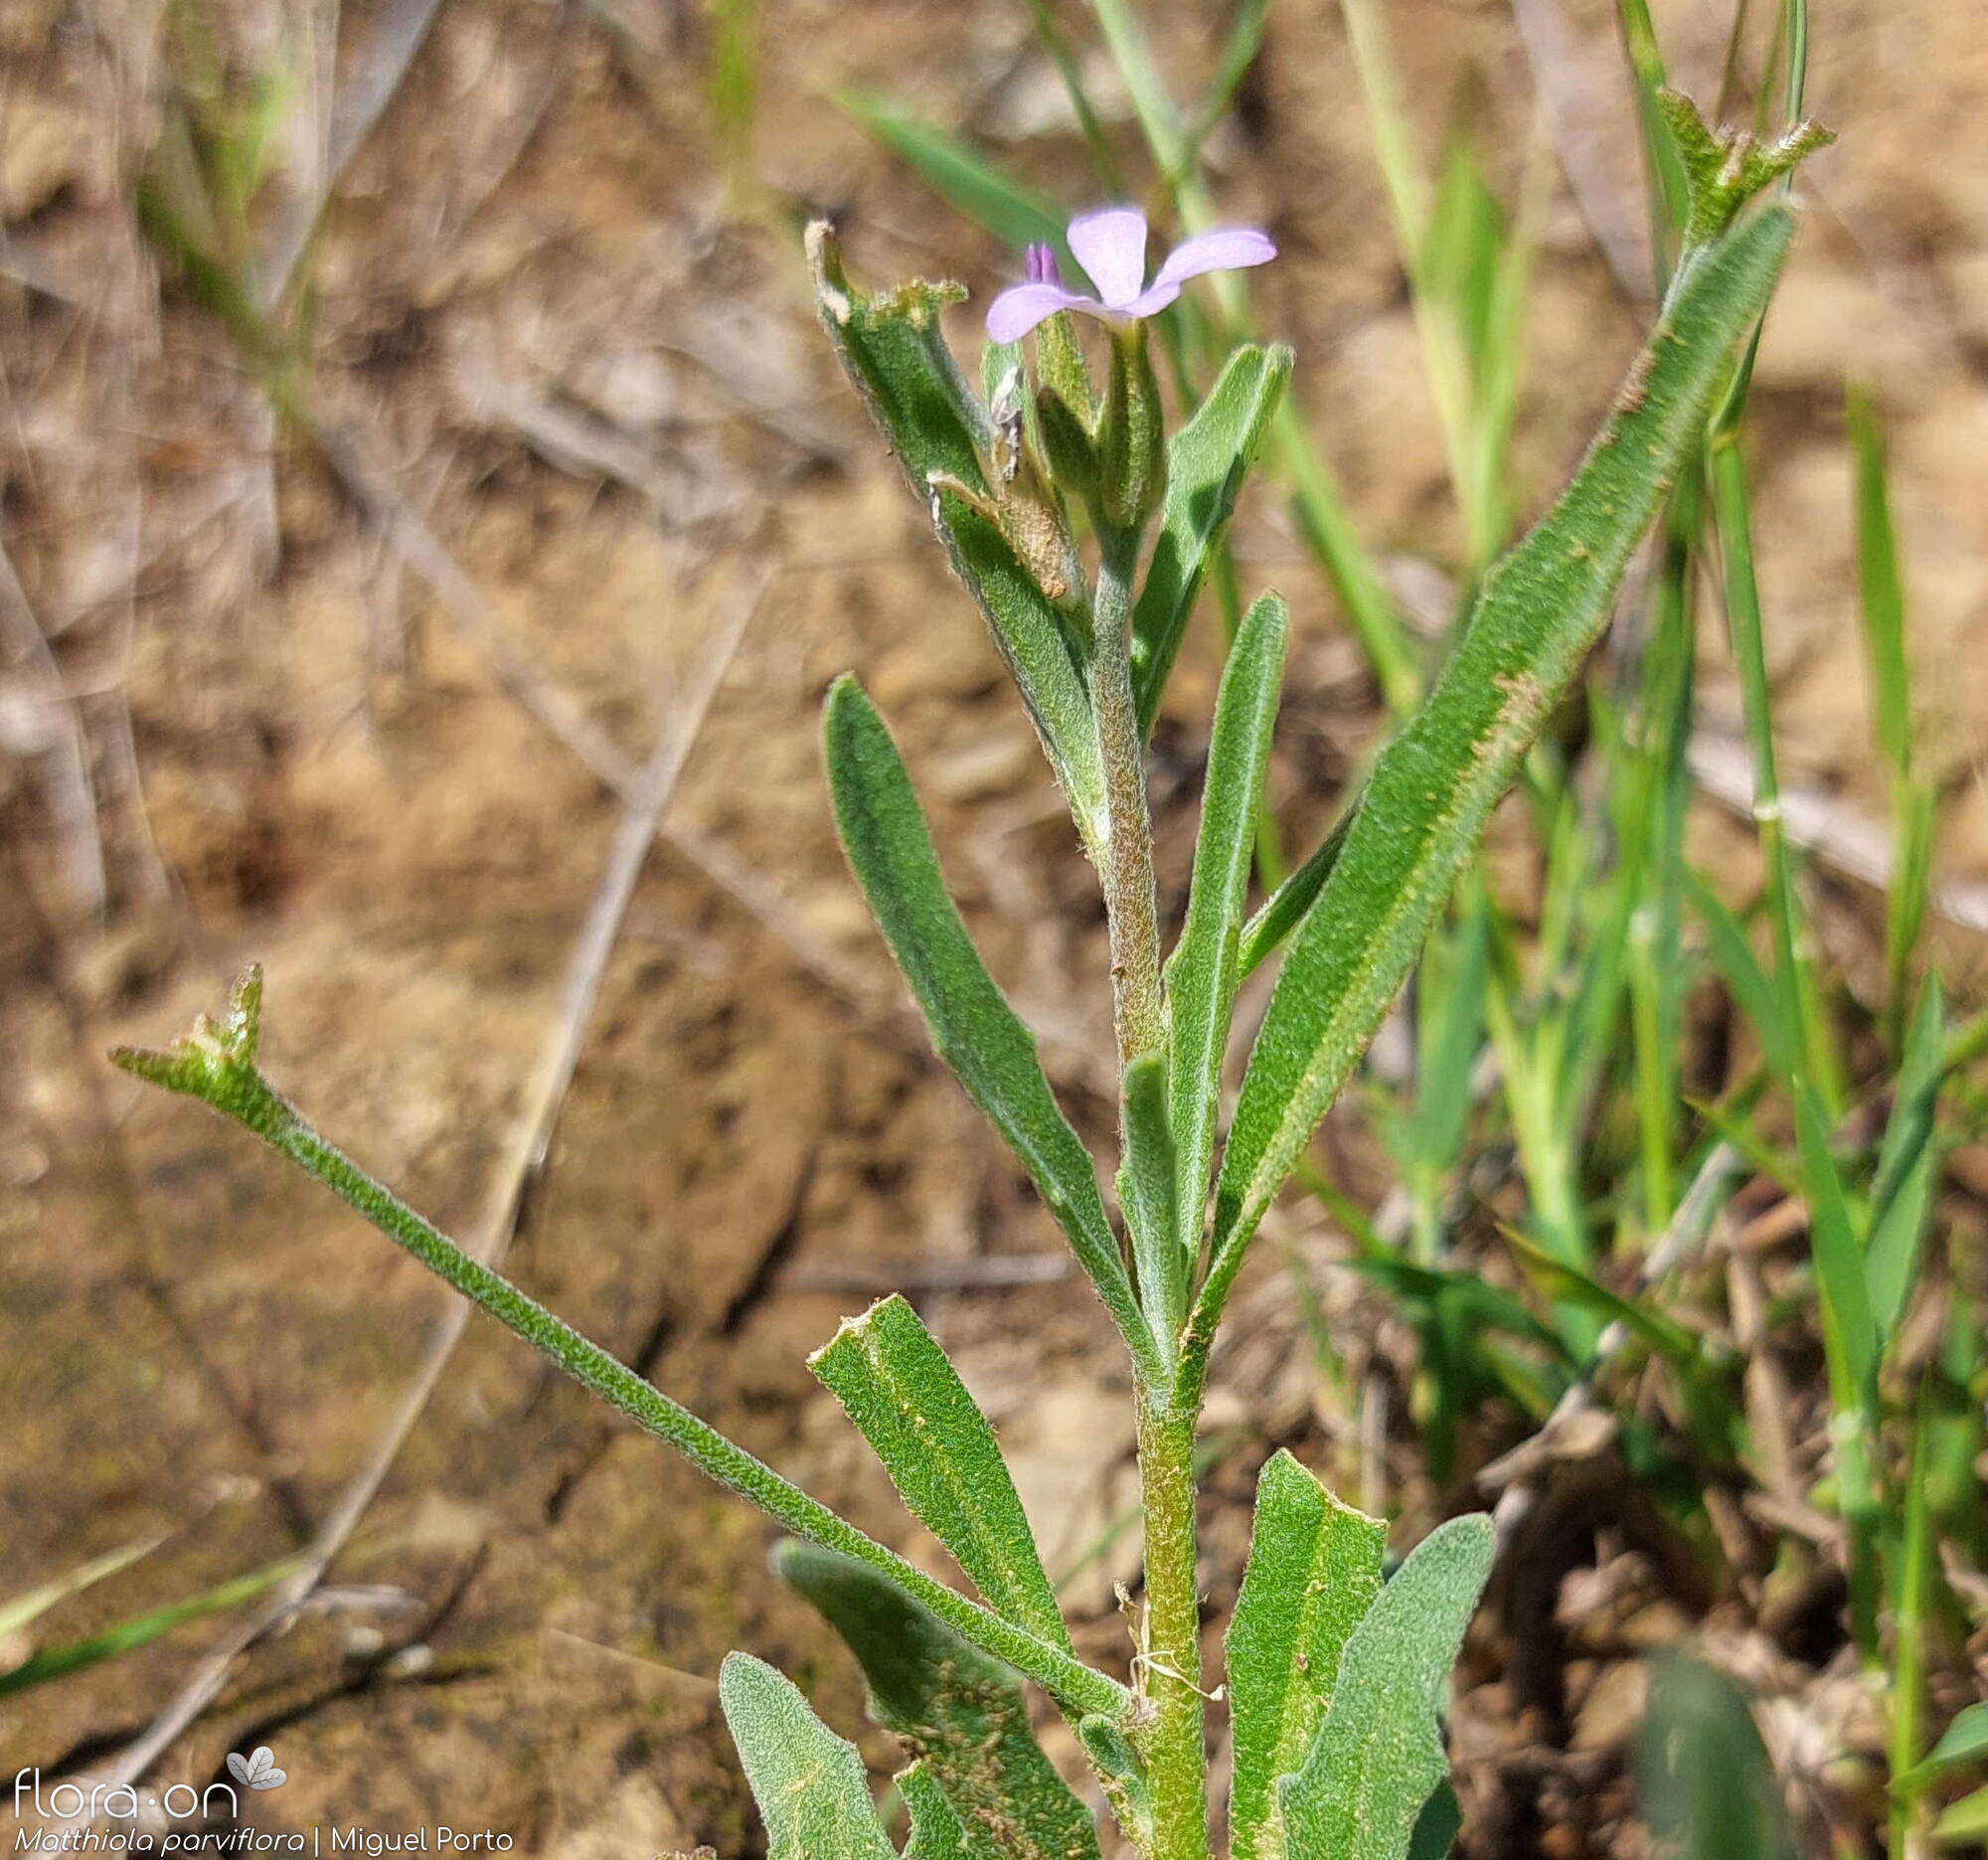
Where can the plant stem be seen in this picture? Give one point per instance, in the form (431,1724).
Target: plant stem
(1127,872)
(241,1093)
(1169,1734)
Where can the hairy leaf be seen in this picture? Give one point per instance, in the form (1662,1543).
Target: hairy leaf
(1148,1184)
(936,1833)
(1201,973)
(1206,462)
(1379,1754)
(962,1713)
(910,1403)
(810,1783)
(1314,1567)
(891,348)
(1037,645)
(972,1026)
(1433,788)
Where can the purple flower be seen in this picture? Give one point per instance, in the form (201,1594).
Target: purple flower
(1110,245)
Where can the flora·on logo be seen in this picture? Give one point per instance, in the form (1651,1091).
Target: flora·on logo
(102,1801)
(256,1771)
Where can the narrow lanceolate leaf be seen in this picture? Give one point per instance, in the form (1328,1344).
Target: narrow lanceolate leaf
(1378,1757)
(910,1403)
(1206,462)
(810,1783)
(1033,640)
(972,1026)
(936,1830)
(1433,788)
(961,1713)
(1147,1186)
(891,348)
(1201,974)
(1314,1567)
(1285,910)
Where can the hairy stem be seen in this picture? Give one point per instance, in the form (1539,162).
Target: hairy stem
(241,1093)
(1127,870)
(1169,1677)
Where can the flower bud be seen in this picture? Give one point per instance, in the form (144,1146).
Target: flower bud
(1132,441)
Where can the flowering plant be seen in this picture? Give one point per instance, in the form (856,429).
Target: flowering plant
(1083,532)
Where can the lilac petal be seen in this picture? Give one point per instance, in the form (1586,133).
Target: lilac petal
(1021,307)
(1150,301)
(1110,245)
(1226,249)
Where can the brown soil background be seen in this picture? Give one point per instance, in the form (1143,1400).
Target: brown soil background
(592,370)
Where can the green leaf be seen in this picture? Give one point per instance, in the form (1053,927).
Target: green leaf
(1563,1281)
(1966,1821)
(936,1830)
(972,1026)
(1201,973)
(1035,643)
(1746,979)
(813,1795)
(1119,1774)
(1966,1741)
(138,1631)
(1707,1789)
(1206,462)
(1438,1826)
(1433,788)
(962,1713)
(1314,1567)
(893,350)
(1147,1191)
(31,1603)
(1285,910)
(1907,1167)
(1839,1262)
(959,173)
(1378,1756)
(910,1403)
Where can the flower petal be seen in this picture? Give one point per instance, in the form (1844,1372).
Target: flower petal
(1110,245)
(1226,249)
(1150,301)
(1021,307)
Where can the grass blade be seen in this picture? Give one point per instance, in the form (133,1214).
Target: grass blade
(960,175)
(72,1656)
